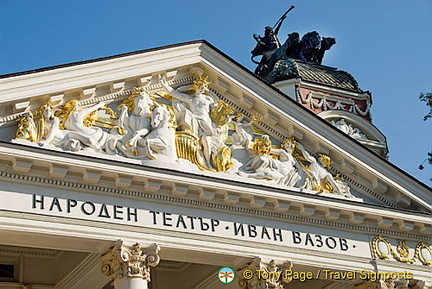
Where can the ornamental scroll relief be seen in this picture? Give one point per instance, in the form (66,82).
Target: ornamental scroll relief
(133,261)
(383,249)
(275,272)
(188,126)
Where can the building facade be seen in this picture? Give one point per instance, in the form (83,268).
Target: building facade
(178,167)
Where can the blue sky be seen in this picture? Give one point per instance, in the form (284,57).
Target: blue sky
(385,44)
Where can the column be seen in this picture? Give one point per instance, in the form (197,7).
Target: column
(257,275)
(129,266)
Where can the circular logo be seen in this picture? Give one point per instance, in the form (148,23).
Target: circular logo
(226,275)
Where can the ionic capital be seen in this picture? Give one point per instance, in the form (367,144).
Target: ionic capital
(134,261)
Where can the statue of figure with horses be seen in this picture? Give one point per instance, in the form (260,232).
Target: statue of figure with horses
(309,49)
(267,44)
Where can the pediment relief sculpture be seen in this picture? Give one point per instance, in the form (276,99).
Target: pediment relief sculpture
(350,129)
(186,125)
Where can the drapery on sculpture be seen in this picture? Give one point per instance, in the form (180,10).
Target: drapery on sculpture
(188,126)
(310,48)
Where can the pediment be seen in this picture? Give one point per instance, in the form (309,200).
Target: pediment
(241,128)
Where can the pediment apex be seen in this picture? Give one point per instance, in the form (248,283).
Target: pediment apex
(112,80)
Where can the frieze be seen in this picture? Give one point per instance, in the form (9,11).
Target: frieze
(194,203)
(324,102)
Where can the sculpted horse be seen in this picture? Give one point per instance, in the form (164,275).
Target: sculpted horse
(310,48)
(134,126)
(270,57)
(161,139)
(288,50)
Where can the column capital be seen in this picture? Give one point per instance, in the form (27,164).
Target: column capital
(134,261)
(258,275)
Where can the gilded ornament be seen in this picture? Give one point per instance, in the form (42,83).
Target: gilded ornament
(90,119)
(325,160)
(402,249)
(223,159)
(165,95)
(424,253)
(95,119)
(291,141)
(26,128)
(172,117)
(130,101)
(220,113)
(65,110)
(201,81)
(262,145)
(188,147)
(256,118)
(382,249)
(338,177)
(325,187)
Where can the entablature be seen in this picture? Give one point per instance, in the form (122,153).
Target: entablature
(40,168)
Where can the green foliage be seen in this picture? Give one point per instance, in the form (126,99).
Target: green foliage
(427,97)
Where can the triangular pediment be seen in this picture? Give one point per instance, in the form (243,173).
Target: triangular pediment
(142,109)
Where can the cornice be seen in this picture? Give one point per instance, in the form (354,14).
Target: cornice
(365,95)
(40,253)
(25,87)
(197,191)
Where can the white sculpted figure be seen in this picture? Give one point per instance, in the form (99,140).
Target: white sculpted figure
(51,133)
(319,173)
(161,140)
(349,129)
(242,136)
(281,170)
(136,125)
(75,117)
(193,115)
